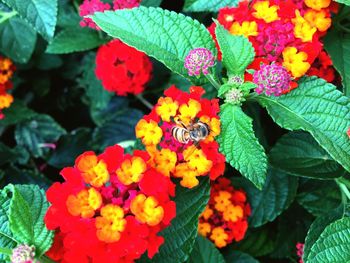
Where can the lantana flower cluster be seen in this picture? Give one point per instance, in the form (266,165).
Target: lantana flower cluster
(6,71)
(110,208)
(224,219)
(176,156)
(122,69)
(285,32)
(89,7)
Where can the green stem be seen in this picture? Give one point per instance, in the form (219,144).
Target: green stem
(343,189)
(213,82)
(144,101)
(343,180)
(6,15)
(5,251)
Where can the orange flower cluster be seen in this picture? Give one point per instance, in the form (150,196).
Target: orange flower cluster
(179,136)
(110,208)
(225,217)
(286,32)
(6,71)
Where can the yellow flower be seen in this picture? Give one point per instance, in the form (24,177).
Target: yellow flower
(207,213)
(189,111)
(222,201)
(197,160)
(265,11)
(246,29)
(214,126)
(131,170)
(94,171)
(5,100)
(166,108)
(317,4)
(149,132)
(187,175)
(232,213)
(85,203)
(164,161)
(318,19)
(302,28)
(146,209)
(204,229)
(295,62)
(219,237)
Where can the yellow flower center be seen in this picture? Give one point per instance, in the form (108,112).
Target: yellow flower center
(302,28)
(246,29)
(85,203)
(146,210)
(317,4)
(265,11)
(94,171)
(131,170)
(149,132)
(295,62)
(166,108)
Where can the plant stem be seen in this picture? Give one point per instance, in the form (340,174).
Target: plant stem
(144,101)
(213,82)
(343,188)
(5,251)
(6,15)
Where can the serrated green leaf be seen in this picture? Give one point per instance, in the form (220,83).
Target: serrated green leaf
(40,14)
(75,39)
(313,193)
(26,216)
(164,35)
(205,251)
(237,51)
(35,132)
(299,154)
(149,3)
(277,194)
(345,2)
(96,96)
(233,256)
(333,245)
(319,108)
(317,228)
(240,146)
(337,45)
(6,238)
(17,40)
(205,5)
(17,113)
(181,234)
(69,147)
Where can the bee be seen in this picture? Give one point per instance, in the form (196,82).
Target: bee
(195,132)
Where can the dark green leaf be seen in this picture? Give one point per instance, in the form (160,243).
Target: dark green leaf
(337,45)
(17,40)
(237,51)
(239,257)
(205,5)
(277,194)
(74,40)
(240,146)
(40,14)
(319,108)
(149,3)
(205,251)
(299,154)
(17,113)
(69,147)
(37,133)
(166,36)
(26,215)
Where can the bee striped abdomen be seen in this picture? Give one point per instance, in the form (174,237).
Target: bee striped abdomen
(180,134)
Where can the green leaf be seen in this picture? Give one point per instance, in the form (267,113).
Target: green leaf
(299,154)
(180,236)
(17,40)
(345,2)
(17,113)
(333,245)
(40,14)
(96,96)
(206,6)
(164,35)
(75,39)
(239,257)
(337,44)
(240,146)
(319,108)
(10,155)
(149,3)
(277,194)
(34,133)
(69,147)
(6,238)
(205,251)
(237,51)
(313,193)
(318,227)
(26,216)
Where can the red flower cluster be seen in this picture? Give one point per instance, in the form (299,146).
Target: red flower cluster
(6,71)
(179,136)
(284,32)
(323,67)
(109,209)
(89,7)
(122,69)
(225,217)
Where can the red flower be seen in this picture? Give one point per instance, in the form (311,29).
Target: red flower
(122,69)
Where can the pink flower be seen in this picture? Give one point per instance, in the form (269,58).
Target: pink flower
(121,4)
(89,7)
(300,251)
(198,61)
